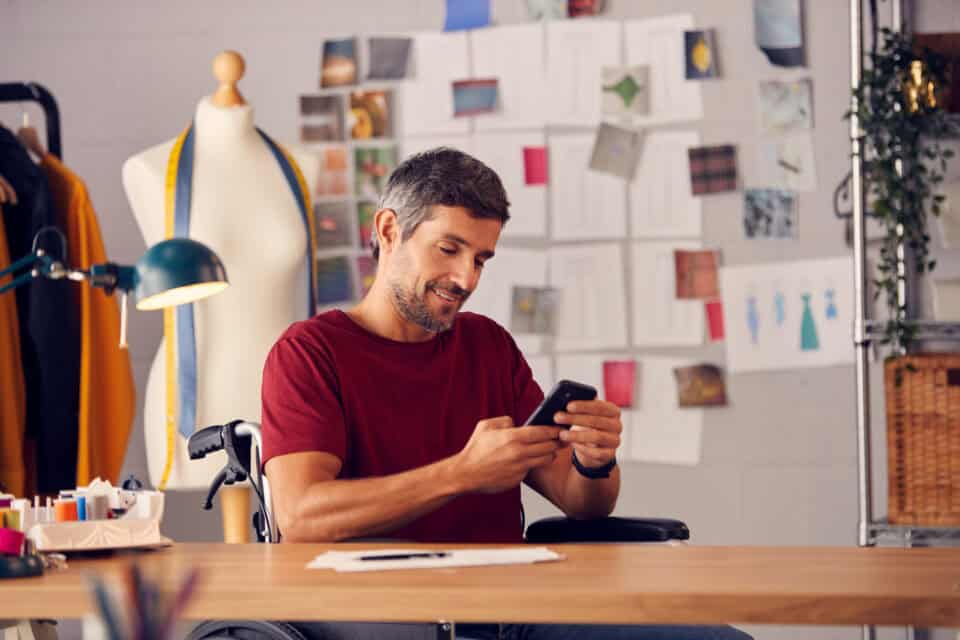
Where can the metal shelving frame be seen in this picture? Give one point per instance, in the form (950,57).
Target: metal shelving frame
(872,531)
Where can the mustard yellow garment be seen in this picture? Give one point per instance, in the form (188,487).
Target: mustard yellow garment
(13,402)
(107,391)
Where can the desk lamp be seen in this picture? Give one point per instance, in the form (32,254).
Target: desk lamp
(170,273)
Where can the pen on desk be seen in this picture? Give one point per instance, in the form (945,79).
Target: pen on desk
(407,556)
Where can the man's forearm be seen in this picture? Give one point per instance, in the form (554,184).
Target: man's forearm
(590,497)
(340,509)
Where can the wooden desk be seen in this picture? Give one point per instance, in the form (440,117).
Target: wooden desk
(595,584)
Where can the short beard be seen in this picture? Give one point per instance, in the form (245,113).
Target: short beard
(414,309)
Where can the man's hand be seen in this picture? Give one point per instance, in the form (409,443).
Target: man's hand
(595,430)
(498,455)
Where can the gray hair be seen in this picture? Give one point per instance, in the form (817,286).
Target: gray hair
(441,176)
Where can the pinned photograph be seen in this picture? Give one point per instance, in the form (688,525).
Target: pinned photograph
(339,63)
(788,163)
(332,177)
(547,9)
(332,222)
(619,381)
(616,151)
(769,213)
(713,169)
(701,385)
(785,106)
(696,274)
(369,115)
(372,167)
(626,91)
(321,119)
(334,280)
(365,212)
(584,8)
(366,272)
(389,58)
(474,97)
(533,310)
(700,48)
(778,31)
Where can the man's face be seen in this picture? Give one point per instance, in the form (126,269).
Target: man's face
(433,272)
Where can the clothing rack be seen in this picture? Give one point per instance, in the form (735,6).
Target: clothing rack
(33,92)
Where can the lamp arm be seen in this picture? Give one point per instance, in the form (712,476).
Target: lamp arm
(40,265)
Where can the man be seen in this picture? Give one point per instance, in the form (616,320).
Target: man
(398,418)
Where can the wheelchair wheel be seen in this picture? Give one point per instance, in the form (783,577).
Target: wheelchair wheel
(245,630)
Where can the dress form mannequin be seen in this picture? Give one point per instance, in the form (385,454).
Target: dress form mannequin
(243,208)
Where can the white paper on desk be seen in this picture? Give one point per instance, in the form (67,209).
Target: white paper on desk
(659,318)
(788,162)
(503,152)
(577,52)
(593,313)
(426,100)
(493,297)
(658,43)
(788,315)
(514,55)
(662,204)
(349,561)
(661,431)
(584,204)
(410,146)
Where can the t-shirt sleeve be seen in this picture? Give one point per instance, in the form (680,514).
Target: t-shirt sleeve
(301,401)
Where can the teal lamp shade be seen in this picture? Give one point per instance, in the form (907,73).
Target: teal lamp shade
(177,271)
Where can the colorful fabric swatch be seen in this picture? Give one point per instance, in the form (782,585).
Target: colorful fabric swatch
(467,14)
(472,97)
(619,380)
(696,274)
(713,169)
(535,168)
(714,311)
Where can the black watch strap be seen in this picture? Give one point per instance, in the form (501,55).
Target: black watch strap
(594,473)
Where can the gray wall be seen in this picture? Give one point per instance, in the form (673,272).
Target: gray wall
(779,464)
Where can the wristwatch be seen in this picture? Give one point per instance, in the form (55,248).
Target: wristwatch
(594,473)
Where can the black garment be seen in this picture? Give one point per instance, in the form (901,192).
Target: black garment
(49,326)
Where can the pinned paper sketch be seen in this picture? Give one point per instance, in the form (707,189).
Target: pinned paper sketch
(334,280)
(658,44)
(514,54)
(619,381)
(321,118)
(584,203)
(659,318)
(700,385)
(332,177)
(788,315)
(696,274)
(626,90)
(778,31)
(946,299)
(713,169)
(473,97)
(661,197)
(700,53)
(769,213)
(547,9)
(366,272)
(332,222)
(467,14)
(339,63)
(785,106)
(616,151)
(535,167)
(372,168)
(590,280)
(369,115)
(389,58)
(714,311)
(660,429)
(365,212)
(533,310)
(949,218)
(788,163)
(577,52)
(437,59)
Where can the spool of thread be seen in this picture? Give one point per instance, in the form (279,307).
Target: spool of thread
(12,520)
(97,507)
(5,502)
(65,510)
(81,508)
(11,542)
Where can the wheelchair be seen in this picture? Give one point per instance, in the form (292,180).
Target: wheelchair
(241,440)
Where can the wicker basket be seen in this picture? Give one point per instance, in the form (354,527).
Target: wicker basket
(923,439)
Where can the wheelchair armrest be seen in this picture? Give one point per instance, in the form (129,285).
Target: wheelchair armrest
(560,529)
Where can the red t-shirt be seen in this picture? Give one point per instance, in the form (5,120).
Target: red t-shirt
(384,407)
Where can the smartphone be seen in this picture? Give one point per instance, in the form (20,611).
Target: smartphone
(565,391)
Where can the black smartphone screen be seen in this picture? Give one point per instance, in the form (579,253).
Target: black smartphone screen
(565,391)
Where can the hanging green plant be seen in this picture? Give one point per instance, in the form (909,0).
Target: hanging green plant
(903,124)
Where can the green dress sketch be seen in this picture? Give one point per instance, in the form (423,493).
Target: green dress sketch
(808,327)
